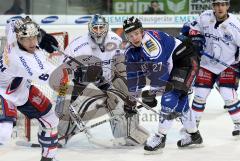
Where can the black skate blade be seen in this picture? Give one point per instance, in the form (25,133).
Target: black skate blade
(192,146)
(27,144)
(158,151)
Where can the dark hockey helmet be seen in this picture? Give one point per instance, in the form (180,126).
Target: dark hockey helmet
(131,24)
(98,28)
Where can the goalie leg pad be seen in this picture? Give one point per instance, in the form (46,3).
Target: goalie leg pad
(88,106)
(136,133)
(129,129)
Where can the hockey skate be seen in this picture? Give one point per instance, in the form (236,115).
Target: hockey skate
(155,144)
(183,130)
(46,159)
(190,140)
(236,131)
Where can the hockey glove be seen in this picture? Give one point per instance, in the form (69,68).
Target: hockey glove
(130,107)
(47,41)
(149,98)
(129,110)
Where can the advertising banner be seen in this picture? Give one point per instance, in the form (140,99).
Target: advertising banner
(130,6)
(198,6)
(139,6)
(176,6)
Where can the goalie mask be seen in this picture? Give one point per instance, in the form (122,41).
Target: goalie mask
(98,28)
(25,27)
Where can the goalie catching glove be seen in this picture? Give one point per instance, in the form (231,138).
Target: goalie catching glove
(88,74)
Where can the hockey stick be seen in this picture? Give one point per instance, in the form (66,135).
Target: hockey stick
(88,127)
(220,62)
(36,145)
(122,95)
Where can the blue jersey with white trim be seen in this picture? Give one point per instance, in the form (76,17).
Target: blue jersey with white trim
(152,59)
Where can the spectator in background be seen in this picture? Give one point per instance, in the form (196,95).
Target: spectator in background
(154,8)
(15,8)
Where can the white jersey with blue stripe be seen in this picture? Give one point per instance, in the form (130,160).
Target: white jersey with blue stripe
(18,69)
(222,40)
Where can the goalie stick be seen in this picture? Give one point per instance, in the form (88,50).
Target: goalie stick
(219,61)
(36,145)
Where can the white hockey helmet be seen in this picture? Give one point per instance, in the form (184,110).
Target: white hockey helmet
(25,27)
(96,24)
(220,1)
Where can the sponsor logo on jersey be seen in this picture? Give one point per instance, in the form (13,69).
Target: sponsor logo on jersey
(38,61)
(97,63)
(234,26)
(206,14)
(105,62)
(82,20)
(2,68)
(80,46)
(114,38)
(24,63)
(216,38)
(50,19)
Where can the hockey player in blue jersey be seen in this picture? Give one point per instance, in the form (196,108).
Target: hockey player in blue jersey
(166,62)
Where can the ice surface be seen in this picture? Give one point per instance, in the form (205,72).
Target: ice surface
(216,128)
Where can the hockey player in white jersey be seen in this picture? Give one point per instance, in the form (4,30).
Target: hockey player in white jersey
(23,61)
(104,45)
(222,33)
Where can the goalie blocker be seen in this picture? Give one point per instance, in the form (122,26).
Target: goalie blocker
(94,102)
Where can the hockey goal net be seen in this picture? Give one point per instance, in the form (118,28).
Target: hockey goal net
(26,126)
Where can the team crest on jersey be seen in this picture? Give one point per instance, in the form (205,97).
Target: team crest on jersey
(151,46)
(110,46)
(227,37)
